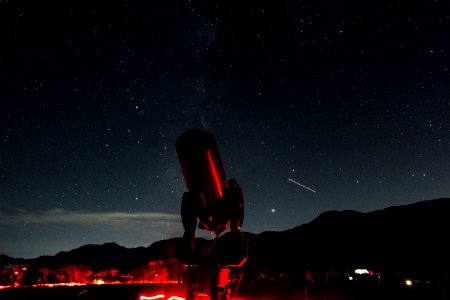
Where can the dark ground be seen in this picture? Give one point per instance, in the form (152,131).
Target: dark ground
(260,291)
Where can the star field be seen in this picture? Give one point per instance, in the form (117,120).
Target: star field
(351,100)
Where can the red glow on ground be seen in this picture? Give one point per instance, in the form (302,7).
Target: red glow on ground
(160,296)
(151,297)
(215,174)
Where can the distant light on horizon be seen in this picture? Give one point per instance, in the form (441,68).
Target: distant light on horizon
(408,282)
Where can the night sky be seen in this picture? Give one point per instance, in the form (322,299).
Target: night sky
(315,106)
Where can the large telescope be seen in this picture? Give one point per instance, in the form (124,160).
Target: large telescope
(201,164)
(217,204)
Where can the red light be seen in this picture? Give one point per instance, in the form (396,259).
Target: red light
(214,171)
(160,296)
(371,273)
(151,297)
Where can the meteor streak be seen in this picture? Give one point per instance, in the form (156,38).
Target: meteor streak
(303,186)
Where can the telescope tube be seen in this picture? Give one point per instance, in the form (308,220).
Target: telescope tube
(201,164)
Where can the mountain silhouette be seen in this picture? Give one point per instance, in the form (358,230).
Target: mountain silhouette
(405,238)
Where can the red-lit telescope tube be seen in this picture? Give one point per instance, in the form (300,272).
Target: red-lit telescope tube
(201,164)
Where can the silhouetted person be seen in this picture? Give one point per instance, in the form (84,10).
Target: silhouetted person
(234,199)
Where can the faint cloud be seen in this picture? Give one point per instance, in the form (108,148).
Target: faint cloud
(28,234)
(60,216)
